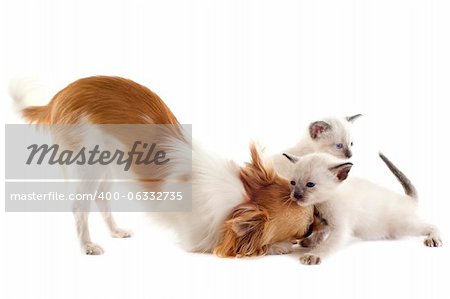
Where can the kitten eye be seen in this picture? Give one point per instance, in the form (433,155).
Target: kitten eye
(339,146)
(293,183)
(351,143)
(310,184)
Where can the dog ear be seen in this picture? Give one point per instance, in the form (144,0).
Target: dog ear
(317,128)
(341,171)
(353,117)
(244,232)
(258,165)
(256,174)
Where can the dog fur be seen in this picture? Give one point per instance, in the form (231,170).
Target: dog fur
(235,211)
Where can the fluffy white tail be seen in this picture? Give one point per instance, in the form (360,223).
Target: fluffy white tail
(27,92)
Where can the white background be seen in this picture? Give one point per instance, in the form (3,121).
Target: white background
(242,70)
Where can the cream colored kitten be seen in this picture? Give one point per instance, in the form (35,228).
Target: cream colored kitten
(353,206)
(331,135)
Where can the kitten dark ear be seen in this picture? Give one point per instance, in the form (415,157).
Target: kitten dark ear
(291,158)
(341,171)
(317,128)
(353,117)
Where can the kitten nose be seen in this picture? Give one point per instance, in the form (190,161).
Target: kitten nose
(298,195)
(348,153)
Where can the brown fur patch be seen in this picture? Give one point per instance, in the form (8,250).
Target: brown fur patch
(244,232)
(103,100)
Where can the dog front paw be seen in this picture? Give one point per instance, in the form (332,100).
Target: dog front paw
(121,233)
(92,249)
(310,259)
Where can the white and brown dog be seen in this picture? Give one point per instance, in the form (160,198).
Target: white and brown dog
(236,211)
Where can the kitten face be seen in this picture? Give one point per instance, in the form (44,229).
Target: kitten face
(333,136)
(315,176)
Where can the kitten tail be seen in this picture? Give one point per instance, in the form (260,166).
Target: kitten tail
(406,183)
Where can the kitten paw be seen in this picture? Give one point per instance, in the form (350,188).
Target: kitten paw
(307,243)
(121,233)
(92,249)
(310,259)
(280,248)
(433,242)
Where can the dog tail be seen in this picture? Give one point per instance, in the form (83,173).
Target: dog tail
(409,188)
(25,91)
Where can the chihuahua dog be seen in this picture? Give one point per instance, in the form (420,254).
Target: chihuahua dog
(355,206)
(236,211)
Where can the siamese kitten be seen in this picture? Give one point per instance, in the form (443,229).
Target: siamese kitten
(353,206)
(331,135)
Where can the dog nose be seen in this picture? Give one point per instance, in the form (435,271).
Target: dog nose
(348,153)
(298,196)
